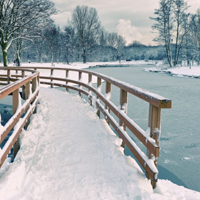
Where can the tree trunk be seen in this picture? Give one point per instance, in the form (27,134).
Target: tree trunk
(67,59)
(187,54)
(168,52)
(84,56)
(176,53)
(18,52)
(52,57)
(5,55)
(52,60)
(18,62)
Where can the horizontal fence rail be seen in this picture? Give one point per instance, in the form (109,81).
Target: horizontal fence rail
(148,161)
(24,92)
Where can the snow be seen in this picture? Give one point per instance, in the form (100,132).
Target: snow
(185,71)
(68,153)
(78,65)
(193,71)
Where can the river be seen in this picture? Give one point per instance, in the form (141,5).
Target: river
(180,138)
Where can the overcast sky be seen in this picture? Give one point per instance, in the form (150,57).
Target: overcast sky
(129,18)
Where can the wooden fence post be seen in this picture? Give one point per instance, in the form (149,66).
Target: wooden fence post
(16,102)
(108,95)
(123,107)
(154,125)
(99,85)
(80,79)
(51,78)
(23,87)
(108,90)
(8,76)
(67,74)
(27,90)
(90,84)
(27,93)
(34,87)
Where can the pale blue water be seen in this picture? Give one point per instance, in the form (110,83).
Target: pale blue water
(180,138)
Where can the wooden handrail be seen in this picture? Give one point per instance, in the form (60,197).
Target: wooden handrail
(30,88)
(150,97)
(104,105)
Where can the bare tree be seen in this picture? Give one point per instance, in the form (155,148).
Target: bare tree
(21,19)
(112,40)
(102,44)
(170,25)
(187,38)
(69,41)
(120,47)
(195,36)
(51,36)
(86,24)
(180,8)
(164,26)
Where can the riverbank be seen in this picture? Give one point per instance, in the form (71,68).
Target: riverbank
(191,72)
(80,65)
(179,161)
(155,66)
(169,138)
(58,163)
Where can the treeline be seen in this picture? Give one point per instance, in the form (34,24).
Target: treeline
(28,34)
(26,37)
(179,31)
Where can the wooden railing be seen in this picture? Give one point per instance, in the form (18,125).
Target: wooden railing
(24,93)
(104,105)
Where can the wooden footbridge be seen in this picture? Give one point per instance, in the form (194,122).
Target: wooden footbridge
(24,84)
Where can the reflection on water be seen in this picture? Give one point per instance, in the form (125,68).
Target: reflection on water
(180,139)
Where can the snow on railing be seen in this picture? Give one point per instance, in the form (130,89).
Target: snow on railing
(104,105)
(28,87)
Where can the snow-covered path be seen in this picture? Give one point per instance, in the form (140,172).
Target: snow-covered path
(68,153)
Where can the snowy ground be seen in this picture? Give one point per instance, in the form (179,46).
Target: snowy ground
(193,72)
(68,153)
(157,66)
(90,64)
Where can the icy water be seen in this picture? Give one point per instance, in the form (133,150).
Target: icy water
(180,138)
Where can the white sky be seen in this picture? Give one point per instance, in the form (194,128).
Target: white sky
(130,18)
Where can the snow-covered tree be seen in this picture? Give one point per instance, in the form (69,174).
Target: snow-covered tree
(117,42)
(186,39)
(21,19)
(170,25)
(164,26)
(86,24)
(120,47)
(51,36)
(69,40)
(195,36)
(180,8)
